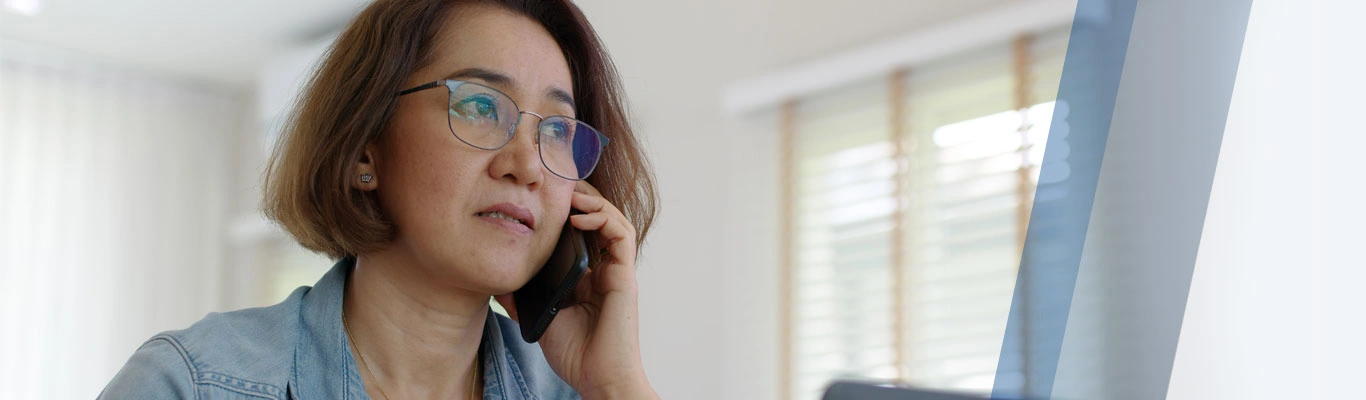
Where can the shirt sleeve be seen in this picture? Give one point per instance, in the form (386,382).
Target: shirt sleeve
(157,371)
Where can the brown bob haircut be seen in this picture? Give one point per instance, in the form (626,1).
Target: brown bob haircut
(350,100)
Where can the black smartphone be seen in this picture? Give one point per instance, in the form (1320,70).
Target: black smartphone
(552,288)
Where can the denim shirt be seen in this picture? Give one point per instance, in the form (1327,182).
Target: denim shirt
(298,350)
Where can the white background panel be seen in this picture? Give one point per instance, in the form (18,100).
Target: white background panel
(1276,306)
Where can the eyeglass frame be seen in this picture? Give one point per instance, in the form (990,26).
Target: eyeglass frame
(515,123)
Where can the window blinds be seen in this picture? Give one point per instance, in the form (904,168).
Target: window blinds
(948,176)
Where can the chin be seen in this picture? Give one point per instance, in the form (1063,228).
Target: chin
(503,276)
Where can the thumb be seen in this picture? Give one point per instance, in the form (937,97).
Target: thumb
(505,300)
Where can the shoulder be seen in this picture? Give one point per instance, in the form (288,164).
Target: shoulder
(158,370)
(248,340)
(247,352)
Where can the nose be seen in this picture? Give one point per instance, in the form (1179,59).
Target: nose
(519,161)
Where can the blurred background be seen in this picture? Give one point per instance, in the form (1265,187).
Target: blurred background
(845,185)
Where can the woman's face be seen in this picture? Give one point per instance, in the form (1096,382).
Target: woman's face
(438,191)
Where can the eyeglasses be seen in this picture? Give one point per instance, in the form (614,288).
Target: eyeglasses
(487,119)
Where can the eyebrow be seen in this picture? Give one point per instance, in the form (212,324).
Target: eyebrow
(499,79)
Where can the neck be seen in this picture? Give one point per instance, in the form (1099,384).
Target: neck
(419,339)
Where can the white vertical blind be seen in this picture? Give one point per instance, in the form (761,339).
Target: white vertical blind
(965,143)
(843,205)
(111,212)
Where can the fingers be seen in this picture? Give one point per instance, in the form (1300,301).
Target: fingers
(586,188)
(589,203)
(589,222)
(618,238)
(586,198)
(614,229)
(592,204)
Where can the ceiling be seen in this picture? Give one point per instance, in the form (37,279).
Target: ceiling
(222,42)
(227,42)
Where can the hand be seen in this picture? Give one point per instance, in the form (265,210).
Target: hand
(595,345)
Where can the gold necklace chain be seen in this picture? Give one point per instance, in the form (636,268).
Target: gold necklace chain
(347,326)
(474,375)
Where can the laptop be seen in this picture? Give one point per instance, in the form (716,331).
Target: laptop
(855,390)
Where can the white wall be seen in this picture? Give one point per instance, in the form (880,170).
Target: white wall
(1276,306)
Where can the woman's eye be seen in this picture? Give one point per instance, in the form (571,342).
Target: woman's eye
(557,130)
(476,108)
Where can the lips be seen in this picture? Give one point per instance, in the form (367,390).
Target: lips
(511,212)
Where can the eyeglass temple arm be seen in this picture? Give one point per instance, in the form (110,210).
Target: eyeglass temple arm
(421,88)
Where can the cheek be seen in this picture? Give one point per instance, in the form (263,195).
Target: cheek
(558,193)
(555,199)
(426,181)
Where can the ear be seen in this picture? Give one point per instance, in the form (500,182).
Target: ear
(366,174)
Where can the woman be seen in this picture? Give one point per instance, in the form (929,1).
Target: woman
(437,154)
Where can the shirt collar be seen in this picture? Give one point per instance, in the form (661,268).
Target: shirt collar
(323,368)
